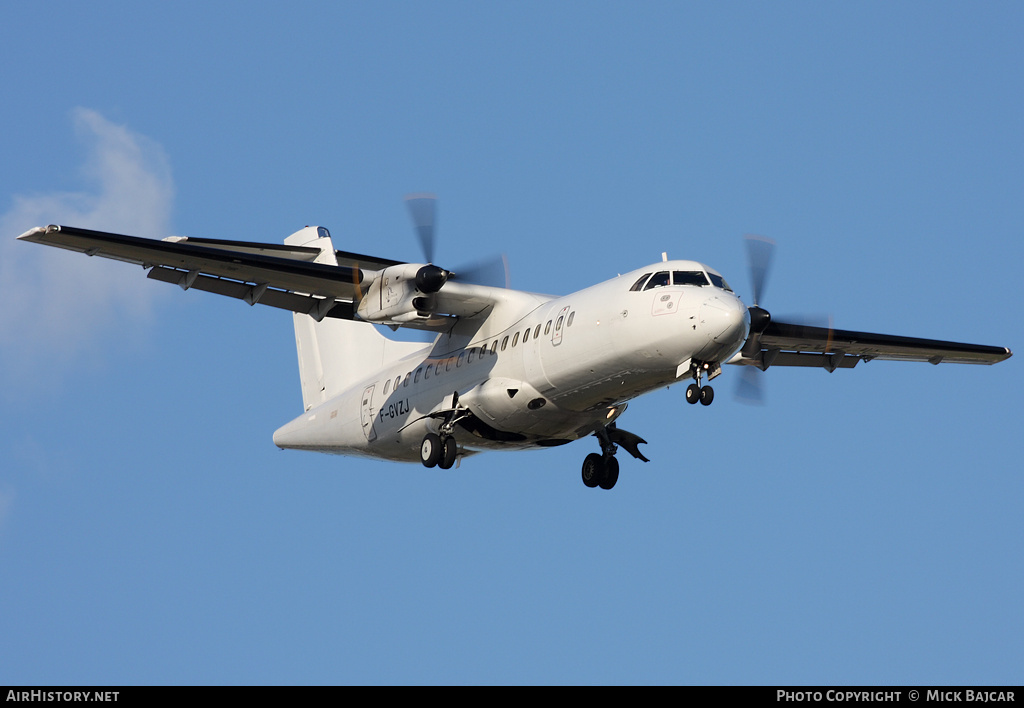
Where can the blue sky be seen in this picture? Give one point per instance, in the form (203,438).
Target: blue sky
(861,527)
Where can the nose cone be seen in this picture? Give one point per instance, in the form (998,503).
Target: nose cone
(726,320)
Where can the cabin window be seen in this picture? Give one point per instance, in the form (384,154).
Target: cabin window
(387,385)
(536,332)
(494,346)
(639,285)
(526,335)
(419,371)
(397,379)
(658,280)
(547,328)
(558,325)
(572,316)
(515,339)
(461,357)
(407,377)
(504,343)
(469,359)
(426,373)
(448,363)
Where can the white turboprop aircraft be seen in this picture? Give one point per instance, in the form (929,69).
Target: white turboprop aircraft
(507,369)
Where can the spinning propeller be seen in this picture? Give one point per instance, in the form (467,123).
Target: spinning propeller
(759,257)
(489,271)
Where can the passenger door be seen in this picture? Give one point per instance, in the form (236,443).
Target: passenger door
(556,333)
(367,413)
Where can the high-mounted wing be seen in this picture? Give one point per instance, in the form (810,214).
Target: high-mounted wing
(280,276)
(783,344)
(772,343)
(298,275)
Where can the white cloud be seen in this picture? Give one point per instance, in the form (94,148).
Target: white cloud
(53,303)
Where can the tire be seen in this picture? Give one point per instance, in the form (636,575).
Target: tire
(692,393)
(593,470)
(449,449)
(707,394)
(611,473)
(430,450)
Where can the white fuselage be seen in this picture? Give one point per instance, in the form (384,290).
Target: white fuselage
(539,371)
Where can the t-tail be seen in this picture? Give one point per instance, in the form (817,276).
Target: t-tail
(335,355)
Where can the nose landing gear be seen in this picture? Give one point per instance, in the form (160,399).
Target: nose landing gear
(695,392)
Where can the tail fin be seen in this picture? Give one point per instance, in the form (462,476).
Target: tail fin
(335,354)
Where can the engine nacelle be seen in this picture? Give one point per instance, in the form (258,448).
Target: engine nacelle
(396,296)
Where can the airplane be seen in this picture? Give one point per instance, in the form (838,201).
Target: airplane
(506,369)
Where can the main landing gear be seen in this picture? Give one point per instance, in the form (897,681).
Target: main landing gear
(440,449)
(437,451)
(695,392)
(602,469)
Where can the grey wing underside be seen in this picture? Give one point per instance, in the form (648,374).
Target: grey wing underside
(784,344)
(280,276)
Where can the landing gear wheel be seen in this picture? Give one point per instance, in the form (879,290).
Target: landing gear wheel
(611,473)
(449,449)
(707,394)
(430,450)
(593,469)
(693,393)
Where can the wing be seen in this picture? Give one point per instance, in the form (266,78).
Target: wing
(311,279)
(783,344)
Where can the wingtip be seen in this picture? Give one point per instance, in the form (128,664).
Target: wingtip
(34,234)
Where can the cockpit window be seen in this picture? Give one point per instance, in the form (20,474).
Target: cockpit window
(719,282)
(658,280)
(689,277)
(639,285)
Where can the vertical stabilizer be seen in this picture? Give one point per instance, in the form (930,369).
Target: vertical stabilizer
(335,354)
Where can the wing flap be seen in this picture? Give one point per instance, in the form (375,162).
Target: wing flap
(299,253)
(357,260)
(318,308)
